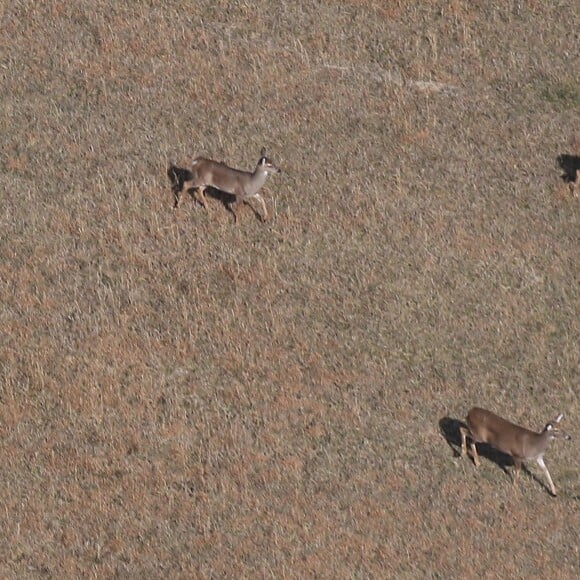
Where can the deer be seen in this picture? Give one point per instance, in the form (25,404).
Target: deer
(520,443)
(243,185)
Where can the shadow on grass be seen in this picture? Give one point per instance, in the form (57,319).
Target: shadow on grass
(179,176)
(570,165)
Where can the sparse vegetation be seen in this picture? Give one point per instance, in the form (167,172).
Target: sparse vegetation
(565,95)
(185,397)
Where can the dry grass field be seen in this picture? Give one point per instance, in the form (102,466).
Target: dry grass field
(182,396)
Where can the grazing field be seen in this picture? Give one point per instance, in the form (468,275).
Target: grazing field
(182,396)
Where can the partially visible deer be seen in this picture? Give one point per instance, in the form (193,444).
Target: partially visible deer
(522,444)
(243,185)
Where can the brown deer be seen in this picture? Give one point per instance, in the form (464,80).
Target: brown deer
(243,185)
(521,443)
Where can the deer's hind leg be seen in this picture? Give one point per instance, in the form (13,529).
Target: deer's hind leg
(465,434)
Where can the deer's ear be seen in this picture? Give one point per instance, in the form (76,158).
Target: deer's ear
(559,418)
(263,152)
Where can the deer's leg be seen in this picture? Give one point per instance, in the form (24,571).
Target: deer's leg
(541,463)
(232,206)
(475,455)
(200,190)
(464,433)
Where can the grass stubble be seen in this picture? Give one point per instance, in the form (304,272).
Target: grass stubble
(180,396)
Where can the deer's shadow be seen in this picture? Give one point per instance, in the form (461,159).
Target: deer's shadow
(179,176)
(449,428)
(570,165)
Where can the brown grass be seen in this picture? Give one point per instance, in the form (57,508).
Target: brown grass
(183,397)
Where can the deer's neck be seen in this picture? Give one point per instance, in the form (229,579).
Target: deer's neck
(538,444)
(258,179)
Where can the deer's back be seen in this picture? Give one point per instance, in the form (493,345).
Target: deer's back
(487,427)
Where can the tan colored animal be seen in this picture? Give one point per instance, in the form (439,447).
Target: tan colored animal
(243,185)
(522,444)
